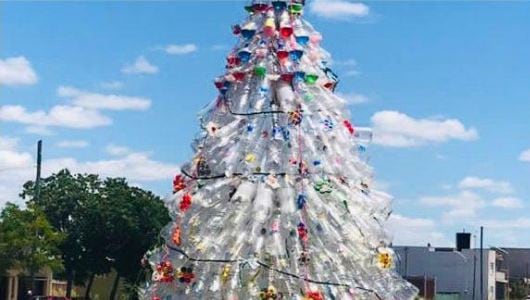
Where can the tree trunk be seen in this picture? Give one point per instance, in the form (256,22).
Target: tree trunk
(89,286)
(69,282)
(115,286)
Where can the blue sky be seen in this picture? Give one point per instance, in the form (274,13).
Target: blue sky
(114,88)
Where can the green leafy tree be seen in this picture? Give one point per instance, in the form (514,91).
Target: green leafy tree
(134,218)
(63,198)
(108,225)
(29,240)
(519,289)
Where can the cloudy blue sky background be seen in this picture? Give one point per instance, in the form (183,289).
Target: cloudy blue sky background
(114,88)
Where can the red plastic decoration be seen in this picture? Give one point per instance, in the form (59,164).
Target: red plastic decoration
(236,29)
(302,232)
(295,117)
(288,77)
(286,32)
(186,275)
(260,7)
(314,295)
(176,236)
(219,84)
(178,183)
(239,76)
(330,85)
(282,54)
(233,61)
(165,269)
(349,126)
(185,202)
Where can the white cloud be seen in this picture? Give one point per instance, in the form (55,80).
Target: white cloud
(17,71)
(17,167)
(180,49)
(140,66)
(396,129)
(354,98)
(39,130)
(339,9)
(507,202)
(10,158)
(73,144)
(463,204)
(133,166)
(415,231)
(112,85)
(525,156)
(116,150)
(487,184)
(58,116)
(519,223)
(100,101)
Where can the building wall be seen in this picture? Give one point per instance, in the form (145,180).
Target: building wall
(452,270)
(518,260)
(15,275)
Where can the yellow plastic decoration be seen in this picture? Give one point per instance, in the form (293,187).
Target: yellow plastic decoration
(250,158)
(225,274)
(384,260)
(269,293)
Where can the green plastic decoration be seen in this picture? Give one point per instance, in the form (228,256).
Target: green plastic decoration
(311,78)
(260,71)
(308,97)
(296,8)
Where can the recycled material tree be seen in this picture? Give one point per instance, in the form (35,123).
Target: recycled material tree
(277,202)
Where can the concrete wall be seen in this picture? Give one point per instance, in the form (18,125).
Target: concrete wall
(453,271)
(518,260)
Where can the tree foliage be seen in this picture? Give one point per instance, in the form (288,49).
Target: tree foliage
(519,289)
(28,241)
(107,223)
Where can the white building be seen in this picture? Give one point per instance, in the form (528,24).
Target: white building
(456,274)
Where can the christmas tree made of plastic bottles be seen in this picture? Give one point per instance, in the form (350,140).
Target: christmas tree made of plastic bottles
(277,202)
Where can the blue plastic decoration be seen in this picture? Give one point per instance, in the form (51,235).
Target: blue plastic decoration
(248,33)
(250,128)
(328,124)
(279,5)
(302,40)
(264,89)
(317,163)
(285,133)
(330,74)
(244,55)
(299,76)
(296,55)
(301,200)
(276,131)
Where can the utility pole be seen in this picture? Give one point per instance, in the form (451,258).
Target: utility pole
(481,263)
(30,291)
(39,163)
